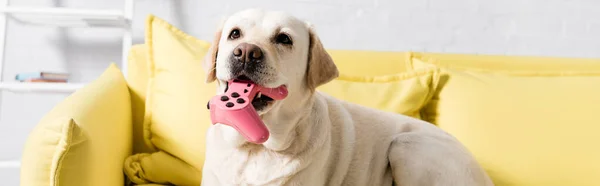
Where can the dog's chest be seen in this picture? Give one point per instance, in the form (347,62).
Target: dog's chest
(256,168)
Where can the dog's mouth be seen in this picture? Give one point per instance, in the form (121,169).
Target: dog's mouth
(260,101)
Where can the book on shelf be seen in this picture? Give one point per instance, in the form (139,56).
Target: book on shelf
(45,80)
(48,77)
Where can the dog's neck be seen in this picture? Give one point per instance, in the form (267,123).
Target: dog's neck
(290,125)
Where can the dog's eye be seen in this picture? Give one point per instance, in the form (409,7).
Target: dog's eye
(235,33)
(283,39)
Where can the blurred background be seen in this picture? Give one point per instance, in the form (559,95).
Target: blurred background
(561,28)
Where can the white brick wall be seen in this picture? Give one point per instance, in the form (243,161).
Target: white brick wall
(569,28)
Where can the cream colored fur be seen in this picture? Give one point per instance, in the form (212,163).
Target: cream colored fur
(315,138)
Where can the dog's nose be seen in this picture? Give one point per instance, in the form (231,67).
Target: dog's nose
(246,52)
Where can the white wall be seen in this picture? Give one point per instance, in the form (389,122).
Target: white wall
(569,28)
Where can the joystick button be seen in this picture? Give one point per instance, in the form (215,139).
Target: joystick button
(208,105)
(229,104)
(224,98)
(240,100)
(235,95)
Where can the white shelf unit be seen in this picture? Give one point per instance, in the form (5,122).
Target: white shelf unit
(61,17)
(41,87)
(67,17)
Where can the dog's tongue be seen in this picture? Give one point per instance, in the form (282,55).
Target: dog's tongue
(236,108)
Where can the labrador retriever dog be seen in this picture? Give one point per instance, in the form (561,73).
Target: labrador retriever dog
(316,139)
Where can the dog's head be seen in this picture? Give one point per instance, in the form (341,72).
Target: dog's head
(271,49)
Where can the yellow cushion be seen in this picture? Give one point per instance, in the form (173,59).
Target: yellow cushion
(526,127)
(369,63)
(403,93)
(160,167)
(512,64)
(137,79)
(84,139)
(176,119)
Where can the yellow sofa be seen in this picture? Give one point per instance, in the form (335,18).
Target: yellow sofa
(528,120)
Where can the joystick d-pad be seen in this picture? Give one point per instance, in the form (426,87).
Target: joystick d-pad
(234,108)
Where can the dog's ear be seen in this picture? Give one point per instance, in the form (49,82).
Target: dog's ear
(210,60)
(321,68)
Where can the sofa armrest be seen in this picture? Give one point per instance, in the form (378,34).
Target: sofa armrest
(84,139)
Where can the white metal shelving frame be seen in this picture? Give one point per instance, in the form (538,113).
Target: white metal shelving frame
(63,17)
(60,17)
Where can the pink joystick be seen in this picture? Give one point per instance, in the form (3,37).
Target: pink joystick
(234,108)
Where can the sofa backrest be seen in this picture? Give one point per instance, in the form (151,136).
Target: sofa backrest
(528,120)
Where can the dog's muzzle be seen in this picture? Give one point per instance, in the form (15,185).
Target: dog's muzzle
(247,53)
(246,59)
